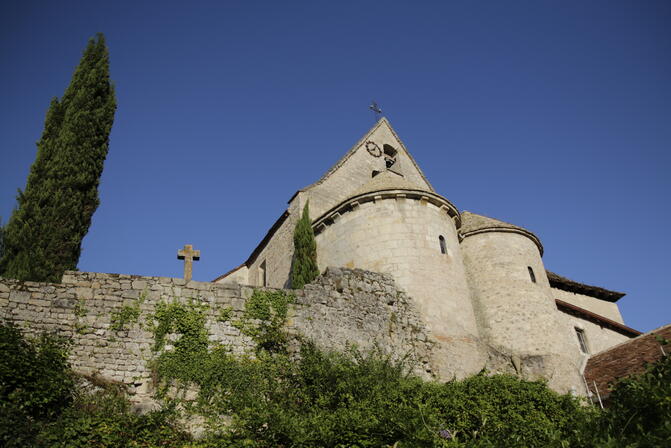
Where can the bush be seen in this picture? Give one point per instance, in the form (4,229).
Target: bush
(35,383)
(639,411)
(104,419)
(318,399)
(350,399)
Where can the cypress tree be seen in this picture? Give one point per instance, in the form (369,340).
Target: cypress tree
(2,240)
(44,234)
(304,268)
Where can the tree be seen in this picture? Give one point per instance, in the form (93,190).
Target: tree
(2,240)
(304,268)
(44,234)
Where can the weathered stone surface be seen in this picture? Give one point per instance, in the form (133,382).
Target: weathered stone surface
(342,308)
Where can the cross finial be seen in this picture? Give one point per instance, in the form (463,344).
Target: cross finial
(376,110)
(189,256)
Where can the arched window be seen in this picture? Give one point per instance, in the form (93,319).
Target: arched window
(531,274)
(443,246)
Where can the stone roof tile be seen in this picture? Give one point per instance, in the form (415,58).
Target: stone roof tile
(387,180)
(472,223)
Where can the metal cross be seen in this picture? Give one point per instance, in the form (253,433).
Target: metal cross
(189,256)
(376,110)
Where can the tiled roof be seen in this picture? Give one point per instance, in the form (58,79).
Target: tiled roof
(559,282)
(628,358)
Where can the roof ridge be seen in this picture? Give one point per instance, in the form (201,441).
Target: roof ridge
(566,284)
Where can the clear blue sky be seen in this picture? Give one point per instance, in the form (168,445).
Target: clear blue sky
(552,115)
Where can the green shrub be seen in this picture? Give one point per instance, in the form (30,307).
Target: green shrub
(350,399)
(638,413)
(105,420)
(35,383)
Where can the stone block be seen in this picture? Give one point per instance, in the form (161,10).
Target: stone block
(139,284)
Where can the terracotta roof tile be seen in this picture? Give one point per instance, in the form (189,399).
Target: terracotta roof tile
(628,358)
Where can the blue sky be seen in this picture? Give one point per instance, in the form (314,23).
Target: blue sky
(552,115)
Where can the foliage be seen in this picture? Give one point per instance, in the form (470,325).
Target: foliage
(351,399)
(35,383)
(2,240)
(321,399)
(44,234)
(304,267)
(183,359)
(189,360)
(264,317)
(128,314)
(104,419)
(639,411)
(225,314)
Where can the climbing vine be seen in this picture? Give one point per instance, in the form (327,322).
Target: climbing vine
(264,317)
(181,337)
(128,314)
(184,353)
(80,312)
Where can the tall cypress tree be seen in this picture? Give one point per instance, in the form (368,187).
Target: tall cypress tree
(44,234)
(2,240)
(304,268)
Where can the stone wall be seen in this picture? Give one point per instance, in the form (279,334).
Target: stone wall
(598,306)
(400,236)
(597,337)
(342,307)
(352,307)
(518,316)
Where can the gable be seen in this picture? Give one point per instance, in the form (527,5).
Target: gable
(356,168)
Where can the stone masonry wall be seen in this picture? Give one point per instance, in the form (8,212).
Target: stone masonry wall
(357,171)
(342,307)
(400,236)
(346,307)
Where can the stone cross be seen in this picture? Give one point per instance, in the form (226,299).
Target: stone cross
(189,256)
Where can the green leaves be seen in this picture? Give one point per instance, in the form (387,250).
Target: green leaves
(304,267)
(264,318)
(639,410)
(44,234)
(310,399)
(35,383)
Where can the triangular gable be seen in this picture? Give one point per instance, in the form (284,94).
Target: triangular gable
(357,166)
(381,122)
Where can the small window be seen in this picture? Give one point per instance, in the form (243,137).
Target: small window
(443,246)
(531,274)
(262,274)
(582,340)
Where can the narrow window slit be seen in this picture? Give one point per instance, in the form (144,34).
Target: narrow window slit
(443,246)
(582,340)
(531,274)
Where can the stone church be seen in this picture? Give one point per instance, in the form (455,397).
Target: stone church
(479,284)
